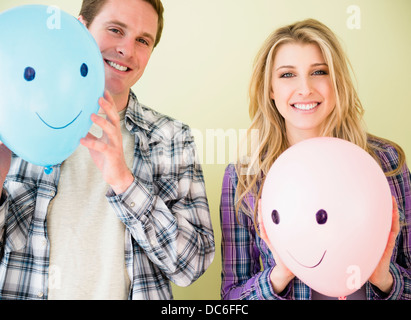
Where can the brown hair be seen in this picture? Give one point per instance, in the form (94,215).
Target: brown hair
(91,8)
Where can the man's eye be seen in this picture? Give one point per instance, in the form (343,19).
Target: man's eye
(114,30)
(143,41)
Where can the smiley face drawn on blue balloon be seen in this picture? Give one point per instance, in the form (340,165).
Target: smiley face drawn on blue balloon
(52,76)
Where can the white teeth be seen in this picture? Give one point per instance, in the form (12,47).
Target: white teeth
(116,66)
(308,106)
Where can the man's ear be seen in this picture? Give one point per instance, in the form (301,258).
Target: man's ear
(81,19)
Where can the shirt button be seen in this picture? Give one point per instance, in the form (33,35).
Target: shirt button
(132,205)
(40,294)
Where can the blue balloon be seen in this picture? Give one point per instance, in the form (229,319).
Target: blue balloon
(51,77)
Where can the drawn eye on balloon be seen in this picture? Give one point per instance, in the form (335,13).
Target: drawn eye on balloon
(321,216)
(327,207)
(46,106)
(29,75)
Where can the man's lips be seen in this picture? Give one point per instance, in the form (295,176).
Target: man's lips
(117,65)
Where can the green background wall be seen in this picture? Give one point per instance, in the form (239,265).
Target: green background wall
(200,71)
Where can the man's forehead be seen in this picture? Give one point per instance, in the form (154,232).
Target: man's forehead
(126,12)
(127,15)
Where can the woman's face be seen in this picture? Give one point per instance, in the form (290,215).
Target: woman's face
(302,90)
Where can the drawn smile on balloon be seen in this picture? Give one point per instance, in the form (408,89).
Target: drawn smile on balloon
(58,128)
(310,267)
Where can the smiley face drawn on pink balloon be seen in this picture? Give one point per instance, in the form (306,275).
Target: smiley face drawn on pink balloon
(321,217)
(327,208)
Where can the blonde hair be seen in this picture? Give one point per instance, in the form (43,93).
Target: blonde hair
(344,122)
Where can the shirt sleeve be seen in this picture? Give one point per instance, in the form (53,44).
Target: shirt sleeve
(3,210)
(169,216)
(400,266)
(242,275)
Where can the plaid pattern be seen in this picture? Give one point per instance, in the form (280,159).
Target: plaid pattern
(243,277)
(168,227)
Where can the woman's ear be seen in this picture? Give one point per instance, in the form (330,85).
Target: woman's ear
(272,94)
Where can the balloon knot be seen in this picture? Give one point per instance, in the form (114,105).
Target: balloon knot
(48,170)
(342,298)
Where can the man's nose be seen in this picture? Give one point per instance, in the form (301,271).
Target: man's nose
(126,48)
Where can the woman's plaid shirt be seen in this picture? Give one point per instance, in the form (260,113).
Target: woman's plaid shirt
(247,262)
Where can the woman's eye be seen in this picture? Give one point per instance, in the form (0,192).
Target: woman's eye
(319,72)
(286,75)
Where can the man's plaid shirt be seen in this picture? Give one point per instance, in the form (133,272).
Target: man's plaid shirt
(169,234)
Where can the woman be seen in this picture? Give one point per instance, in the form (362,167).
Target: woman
(301,88)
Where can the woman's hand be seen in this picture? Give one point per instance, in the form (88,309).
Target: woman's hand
(280,275)
(381,276)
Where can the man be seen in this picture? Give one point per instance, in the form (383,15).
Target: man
(127,212)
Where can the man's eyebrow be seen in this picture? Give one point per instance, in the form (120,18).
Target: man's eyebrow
(293,67)
(124,26)
(117,22)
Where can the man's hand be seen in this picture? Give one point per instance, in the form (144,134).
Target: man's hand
(5,159)
(107,152)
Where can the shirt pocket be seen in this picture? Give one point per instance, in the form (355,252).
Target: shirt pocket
(19,216)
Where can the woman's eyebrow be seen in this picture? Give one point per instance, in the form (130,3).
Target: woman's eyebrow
(293,67)
(285,67)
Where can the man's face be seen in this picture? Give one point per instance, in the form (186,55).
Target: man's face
(125,31)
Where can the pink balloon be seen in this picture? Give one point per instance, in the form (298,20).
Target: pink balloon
(327,210)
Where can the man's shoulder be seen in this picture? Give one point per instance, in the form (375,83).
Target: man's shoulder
(157,118)
(153,122)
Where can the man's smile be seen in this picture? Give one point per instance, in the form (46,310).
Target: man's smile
(117,66)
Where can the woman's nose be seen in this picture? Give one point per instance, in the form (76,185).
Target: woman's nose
(305,87)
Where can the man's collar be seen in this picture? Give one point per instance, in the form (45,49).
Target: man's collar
(135,112)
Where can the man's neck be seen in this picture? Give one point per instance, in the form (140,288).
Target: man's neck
(121,100)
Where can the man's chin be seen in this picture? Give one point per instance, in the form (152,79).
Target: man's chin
(117,89)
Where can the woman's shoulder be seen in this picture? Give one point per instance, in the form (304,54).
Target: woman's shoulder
(387,152)
(231,172)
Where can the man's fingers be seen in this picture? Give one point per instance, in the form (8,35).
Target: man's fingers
(93,143)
